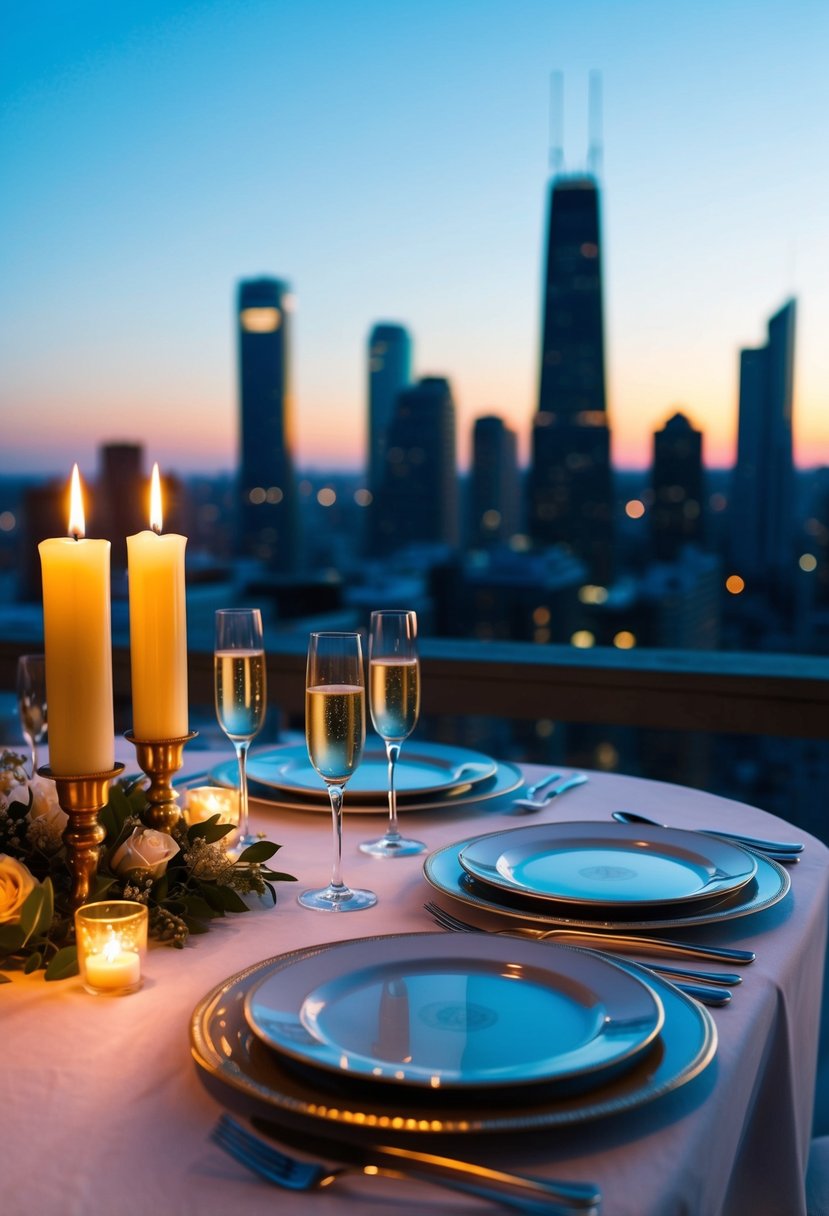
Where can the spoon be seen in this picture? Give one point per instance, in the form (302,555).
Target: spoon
(779,849)
(526,806)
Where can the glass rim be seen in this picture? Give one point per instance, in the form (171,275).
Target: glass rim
(394,612)
(119,909)
(335,633)
(238,612)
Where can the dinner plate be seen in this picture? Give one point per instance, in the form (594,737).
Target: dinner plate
(595,865)
(506,780)
(242,1072)
(445,873)
(448,1012)
(424,769)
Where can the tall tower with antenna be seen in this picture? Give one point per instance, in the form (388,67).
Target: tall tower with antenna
(570,482)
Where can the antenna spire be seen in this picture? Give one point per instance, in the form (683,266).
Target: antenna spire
(594,108)
(556,121)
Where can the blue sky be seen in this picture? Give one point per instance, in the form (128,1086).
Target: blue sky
(390,161)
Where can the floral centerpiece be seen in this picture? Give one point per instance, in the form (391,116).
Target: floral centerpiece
(185,878)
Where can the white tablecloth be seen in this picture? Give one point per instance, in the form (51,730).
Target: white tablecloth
(104,1111)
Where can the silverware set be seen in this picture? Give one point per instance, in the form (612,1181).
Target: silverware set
(708,987)
(786,852)
(517,1191)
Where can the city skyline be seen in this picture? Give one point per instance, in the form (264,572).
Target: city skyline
(391,165)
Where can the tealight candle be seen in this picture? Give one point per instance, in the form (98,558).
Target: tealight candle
(78,645)
(158,629)
(203,801)
(112,940)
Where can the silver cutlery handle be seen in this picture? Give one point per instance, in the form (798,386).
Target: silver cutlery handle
(628,944)
(550,779)
(779,848)
(569,784)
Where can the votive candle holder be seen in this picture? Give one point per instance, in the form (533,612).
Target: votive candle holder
(111,938)
(204,801)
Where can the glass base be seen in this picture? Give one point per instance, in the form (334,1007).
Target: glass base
(241,843)
(393,846)
(337,899)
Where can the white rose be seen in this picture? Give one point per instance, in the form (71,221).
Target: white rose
(145,849)
(47,820)
(15,884)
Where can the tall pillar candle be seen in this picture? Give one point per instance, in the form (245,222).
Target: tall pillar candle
(158,630)
(78,646)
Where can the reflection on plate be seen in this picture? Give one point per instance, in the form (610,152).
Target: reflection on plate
(506,780)
(597,865)
(443,870)
(444,1012)
(245,1074)
(424,769)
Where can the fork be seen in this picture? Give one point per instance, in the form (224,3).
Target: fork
(710,987)
(526,806)
(526,1194)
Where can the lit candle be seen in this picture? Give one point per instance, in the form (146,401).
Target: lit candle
(158,629)
(78,645)
(114,968)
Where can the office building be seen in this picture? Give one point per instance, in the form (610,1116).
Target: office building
(676,516)
(121,504)
(570,482)
(493,484)
(762,491)
(389,372)
(417,500)
(268,509)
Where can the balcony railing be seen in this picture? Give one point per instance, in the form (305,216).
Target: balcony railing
(729,693)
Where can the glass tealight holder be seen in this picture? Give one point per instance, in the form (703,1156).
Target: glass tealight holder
(204,801)
(112,941)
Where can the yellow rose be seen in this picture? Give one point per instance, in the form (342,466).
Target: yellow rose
(15,884)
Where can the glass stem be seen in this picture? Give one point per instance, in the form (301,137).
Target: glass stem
(335,793)
(392,752)
(242,756)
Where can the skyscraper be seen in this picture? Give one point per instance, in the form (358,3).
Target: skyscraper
(418,497)
(124,498)
(267,489)
(762,506)
(570,483)
(389,372)
(677,512)
(493,484)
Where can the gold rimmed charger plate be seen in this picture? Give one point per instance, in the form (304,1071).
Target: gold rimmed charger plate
(244,1074)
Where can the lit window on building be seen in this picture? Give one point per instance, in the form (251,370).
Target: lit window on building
(274,494)
(491,519)
(326,497)
(634,509)
(718,502)
(582,639)
(542,636)
(589,250)
(363,498)
(590,593)
(807,562)
(607,756)
(541,616)
(544,728)
(260,320)
(257,495)
(734,584)
(7,521)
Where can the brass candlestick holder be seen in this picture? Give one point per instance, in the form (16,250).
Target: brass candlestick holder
(82,797)
(159,759)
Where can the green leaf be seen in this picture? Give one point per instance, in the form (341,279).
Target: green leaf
(196,926)
(196,906)
(209,830)
(161,889)
(47,910)
(117,810)
(30,911)
(64,964)
(278,877)
(224,898)
(261,851)
(33,962)
(11,938)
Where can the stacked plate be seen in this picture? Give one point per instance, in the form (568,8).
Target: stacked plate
(594,875)
(445,1033)
(427,776)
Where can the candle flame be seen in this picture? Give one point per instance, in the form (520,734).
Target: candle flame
(77,523)
(155,500)
(112,948)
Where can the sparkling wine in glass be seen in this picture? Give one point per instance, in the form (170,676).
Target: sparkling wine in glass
(31,700)
(241,694)
(394,684)
(335,732)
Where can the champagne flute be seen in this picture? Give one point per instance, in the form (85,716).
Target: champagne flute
(240,687)
(394,683)
(335,732)
(31,700)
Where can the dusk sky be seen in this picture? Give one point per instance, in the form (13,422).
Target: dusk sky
(390,160)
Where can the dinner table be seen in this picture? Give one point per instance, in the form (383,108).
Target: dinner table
(107,1111)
